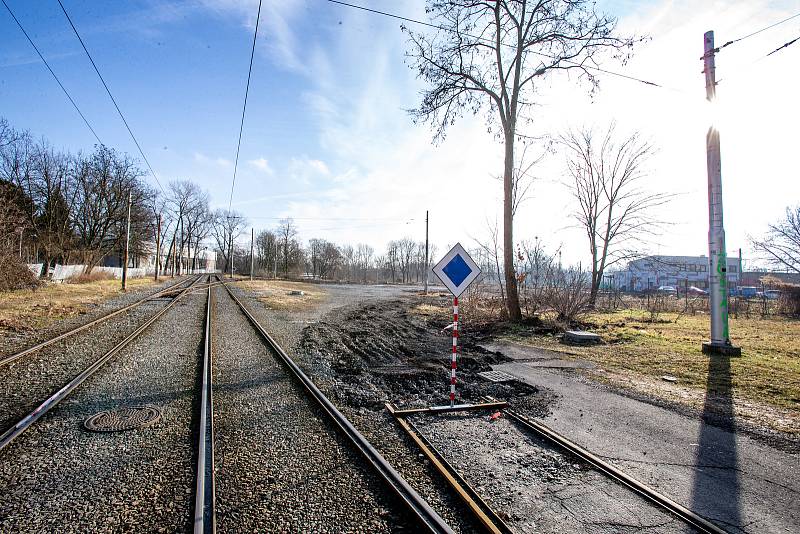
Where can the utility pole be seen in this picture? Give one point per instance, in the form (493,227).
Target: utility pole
(127,243)
(718,262)
(426,252)
(252,237)
(158,246)
(21,230)
(230,254)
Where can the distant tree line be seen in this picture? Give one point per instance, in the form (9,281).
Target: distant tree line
(280,252)
(65,208)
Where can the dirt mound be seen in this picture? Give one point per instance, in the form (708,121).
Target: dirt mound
(380,353)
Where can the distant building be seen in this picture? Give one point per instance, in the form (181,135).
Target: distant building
(754,278)
(651,272)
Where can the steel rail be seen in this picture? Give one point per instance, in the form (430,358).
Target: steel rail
(418,507)
(14,357)
(205,498)
(484,513)
(683,513)
(9,435)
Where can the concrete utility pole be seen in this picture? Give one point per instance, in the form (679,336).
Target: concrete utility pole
(158,246)
(252,237)
(426,252)
(127,243)
(718,262)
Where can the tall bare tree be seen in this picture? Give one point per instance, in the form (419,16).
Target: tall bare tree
(781,244)
(227,227)
(490,56)
(613,210)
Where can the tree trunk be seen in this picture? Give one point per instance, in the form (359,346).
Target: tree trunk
(512,298)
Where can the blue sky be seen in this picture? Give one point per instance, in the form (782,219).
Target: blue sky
(326,137)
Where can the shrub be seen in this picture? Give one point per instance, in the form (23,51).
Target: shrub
(14,274)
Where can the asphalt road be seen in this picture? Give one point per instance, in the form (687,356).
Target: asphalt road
(737,482)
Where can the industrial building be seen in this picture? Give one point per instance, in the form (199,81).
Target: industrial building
(651,272)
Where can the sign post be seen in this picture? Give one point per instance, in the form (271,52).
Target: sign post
(456,271)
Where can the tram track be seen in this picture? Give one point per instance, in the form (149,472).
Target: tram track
(323,434)
(17,410)
(10,358)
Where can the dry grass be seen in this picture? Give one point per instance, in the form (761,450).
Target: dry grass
(276,294)
(765,380)
(91,277)
(26,309)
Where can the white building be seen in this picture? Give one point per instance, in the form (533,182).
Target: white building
(651,272)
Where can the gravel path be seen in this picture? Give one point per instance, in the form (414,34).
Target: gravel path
(534,487)
(58,477)
(280,467)
(26,382)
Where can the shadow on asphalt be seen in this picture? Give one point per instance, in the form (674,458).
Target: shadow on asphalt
(716,491)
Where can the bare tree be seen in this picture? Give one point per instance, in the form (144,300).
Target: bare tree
(613,210)
(103,183)
(490,56)
(781,244)
(266,250)
(364,255)
(226,228)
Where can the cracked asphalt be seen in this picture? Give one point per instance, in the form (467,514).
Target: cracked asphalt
(740,483)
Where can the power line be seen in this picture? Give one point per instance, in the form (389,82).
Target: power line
(110,95)
(435,26)
(785,45)
(46,64)
(757,32)
(244,107)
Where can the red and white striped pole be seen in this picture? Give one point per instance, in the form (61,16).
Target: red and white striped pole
(455,354)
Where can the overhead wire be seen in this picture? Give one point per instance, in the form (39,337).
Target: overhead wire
(785,45)
(122,116)
(443,28)
(244,107)
(757,32)
(46,64)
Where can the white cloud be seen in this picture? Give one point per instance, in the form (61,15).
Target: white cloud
(199,157)
(384,167)
(262,165)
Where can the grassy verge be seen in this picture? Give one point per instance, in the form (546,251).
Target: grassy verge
(276,294)
(26,309)
(764,382)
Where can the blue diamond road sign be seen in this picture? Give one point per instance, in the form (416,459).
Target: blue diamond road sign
(457,270)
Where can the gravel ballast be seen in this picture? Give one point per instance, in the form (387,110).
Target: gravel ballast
(59,477)
(26,382)
(534,487)
(280,466)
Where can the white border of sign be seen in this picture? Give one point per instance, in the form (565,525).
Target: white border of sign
(437,270)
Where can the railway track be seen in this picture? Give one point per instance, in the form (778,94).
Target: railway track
(42,407)
(659,499)
(208,496)
(5,360)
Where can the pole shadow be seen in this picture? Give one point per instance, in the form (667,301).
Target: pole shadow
(716,486)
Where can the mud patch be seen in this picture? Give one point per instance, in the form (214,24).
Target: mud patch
(379,353)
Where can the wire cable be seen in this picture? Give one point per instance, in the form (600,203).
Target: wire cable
(757,32)
(244,107)
(435,26)
(785,45)
(46,64)
(110,95)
